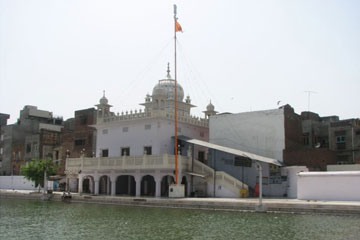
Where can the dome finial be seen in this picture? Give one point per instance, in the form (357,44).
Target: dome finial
(168,71)
(210,107)
(103,100)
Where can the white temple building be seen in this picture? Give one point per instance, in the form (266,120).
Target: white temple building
(135,150)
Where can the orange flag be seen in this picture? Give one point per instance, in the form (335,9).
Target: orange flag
(178,27)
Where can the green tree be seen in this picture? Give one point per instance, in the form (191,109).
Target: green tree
(34,170)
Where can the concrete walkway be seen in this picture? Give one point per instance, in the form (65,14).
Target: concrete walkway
(227,204)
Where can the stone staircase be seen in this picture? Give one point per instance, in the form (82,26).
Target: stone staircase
(225,184)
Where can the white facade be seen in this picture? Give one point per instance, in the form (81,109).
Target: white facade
(329,186)
(136,133)
(150,127)
(259,132)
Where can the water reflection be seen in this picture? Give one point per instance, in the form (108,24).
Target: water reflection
(21,219)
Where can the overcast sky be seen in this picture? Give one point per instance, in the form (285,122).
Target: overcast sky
(242,55)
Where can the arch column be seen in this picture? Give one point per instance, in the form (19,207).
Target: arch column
(157,186)
(138,186)
(96,184)
(80,184)
(113,185)
(108,186)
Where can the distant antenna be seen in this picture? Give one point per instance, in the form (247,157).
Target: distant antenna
(309,93)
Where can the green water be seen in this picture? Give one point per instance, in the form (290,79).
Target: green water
(22,219)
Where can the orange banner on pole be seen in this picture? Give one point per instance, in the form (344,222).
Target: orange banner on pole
(178,27)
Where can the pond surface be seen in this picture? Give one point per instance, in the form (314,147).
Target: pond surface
(25,219)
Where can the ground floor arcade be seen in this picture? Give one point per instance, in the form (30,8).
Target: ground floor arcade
(150,184)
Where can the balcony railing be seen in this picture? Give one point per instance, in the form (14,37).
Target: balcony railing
(126,163)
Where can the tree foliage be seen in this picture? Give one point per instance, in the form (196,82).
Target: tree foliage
(34,170)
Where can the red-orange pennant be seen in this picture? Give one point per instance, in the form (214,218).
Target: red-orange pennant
(178,27)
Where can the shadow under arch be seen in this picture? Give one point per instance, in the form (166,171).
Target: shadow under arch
(148,186)
(125,185)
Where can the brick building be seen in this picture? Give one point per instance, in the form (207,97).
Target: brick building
(77,138)
(307,140)
(17,158)
(33,136)
(344,138)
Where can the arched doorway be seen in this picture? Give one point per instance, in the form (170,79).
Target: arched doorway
(104,185)
(165,182)
(88,184)
(125,185)
(148,186)
(184,181)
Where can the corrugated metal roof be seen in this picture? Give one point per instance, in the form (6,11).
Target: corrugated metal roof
(233,151)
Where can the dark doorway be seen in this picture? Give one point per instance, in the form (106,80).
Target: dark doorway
(125,185)
(148,186)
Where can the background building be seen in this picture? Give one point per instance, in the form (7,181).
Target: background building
(77,138)
(34,135)
(344,138)
(281,134)
(265,133)
(3,122)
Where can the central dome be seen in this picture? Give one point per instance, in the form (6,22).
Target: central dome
(166,89)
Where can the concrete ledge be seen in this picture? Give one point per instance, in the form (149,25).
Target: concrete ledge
(225,204)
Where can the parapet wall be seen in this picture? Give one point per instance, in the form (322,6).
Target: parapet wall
(156,114)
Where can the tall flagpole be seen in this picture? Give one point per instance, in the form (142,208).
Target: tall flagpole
(175,100)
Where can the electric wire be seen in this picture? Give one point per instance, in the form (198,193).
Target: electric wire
(141,76)
(192,79)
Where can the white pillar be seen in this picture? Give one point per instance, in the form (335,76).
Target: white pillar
(157,186)
(108,185)
(80,184)
(91,185)
(113,185)
(96,190)
(138,186)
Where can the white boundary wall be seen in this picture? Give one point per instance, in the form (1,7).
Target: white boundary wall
(16,183)
(292,178)
(332,186)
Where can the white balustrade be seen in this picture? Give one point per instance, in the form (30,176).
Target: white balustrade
(125,162)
